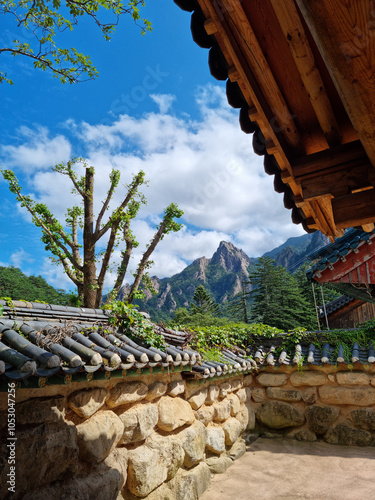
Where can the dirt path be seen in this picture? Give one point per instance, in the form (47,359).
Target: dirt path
(291,470)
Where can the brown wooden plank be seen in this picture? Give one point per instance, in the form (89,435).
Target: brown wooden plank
(249,45)
(340,181)
(343,32)
(328,158)
(354,209)
(302,54)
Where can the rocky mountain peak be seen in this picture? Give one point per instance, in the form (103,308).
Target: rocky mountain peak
(231,258)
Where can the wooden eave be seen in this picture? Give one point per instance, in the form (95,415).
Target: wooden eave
(302,73)
(356,268)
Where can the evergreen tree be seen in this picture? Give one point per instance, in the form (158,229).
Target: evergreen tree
(204,304)
(278,300)
(237,308)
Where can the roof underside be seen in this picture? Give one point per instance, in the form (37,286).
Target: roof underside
(301,72)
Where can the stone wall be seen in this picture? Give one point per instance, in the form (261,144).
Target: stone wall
(326,403)
(156,437)
(160,437)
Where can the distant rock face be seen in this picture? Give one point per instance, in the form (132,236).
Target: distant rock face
(221,275)
(230,258)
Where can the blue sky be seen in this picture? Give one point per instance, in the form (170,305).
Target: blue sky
(154,106)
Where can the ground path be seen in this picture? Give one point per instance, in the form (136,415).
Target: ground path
(280,469)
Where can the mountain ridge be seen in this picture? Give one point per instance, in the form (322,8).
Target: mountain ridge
(221,275)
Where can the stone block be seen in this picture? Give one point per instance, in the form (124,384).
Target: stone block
(236,384)
(279,415)
(198,399)
(191,388)
(174,413)
(346,436)
(41,410)
(352,378)
(358,396)
(191,484)
(283,394)
(272,379)
(310,395)
(238,449)
(310,378)
(304,434)
(88,401)
(218,465)
(103,481)
(225,389)
(162,492)
(127,392)
(205,414)
(139,422)
(156,390)
(213,392)
(176,388)
(246,417)
(222,410)
(258,394)
(247,380)
(215,439)
(99,435)
(234,404)
(170,450)
(146,471)
(244,394)
(44,454)
(232,430)
(193,440)
(321,418)
(364,419)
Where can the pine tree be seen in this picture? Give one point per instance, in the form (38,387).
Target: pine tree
(278,300)
(204,304)
(237,308)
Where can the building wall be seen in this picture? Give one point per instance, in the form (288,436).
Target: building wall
(162,437)
(350,318)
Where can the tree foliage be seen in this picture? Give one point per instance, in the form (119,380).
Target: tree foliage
(18,286)
(203,303)
(43,21)
(238,307)
(74,244)
(278,299)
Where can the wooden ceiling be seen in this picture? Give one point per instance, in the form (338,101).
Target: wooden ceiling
(302,72)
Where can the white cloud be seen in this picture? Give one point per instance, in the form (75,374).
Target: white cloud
(164,101)
(37,151)
(206,166)
(18,257)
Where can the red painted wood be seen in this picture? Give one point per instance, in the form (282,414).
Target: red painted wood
(354,269)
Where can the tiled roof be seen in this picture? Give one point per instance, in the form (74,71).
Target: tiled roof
(335,305)
(37,351)
(331,257)
(46,341)
(341,247)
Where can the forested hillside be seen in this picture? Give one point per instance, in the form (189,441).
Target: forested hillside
(16,285)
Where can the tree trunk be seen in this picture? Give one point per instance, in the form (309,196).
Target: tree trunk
(89,266)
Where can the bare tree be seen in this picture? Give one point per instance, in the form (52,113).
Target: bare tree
(74,245)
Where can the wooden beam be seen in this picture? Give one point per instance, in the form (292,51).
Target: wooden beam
(343,32)
(338,181)
(302,54)
(354,209)
(249,46)
(328,158)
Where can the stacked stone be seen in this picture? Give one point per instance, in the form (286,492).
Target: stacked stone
(162,437)
(336,406)
(154,438)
